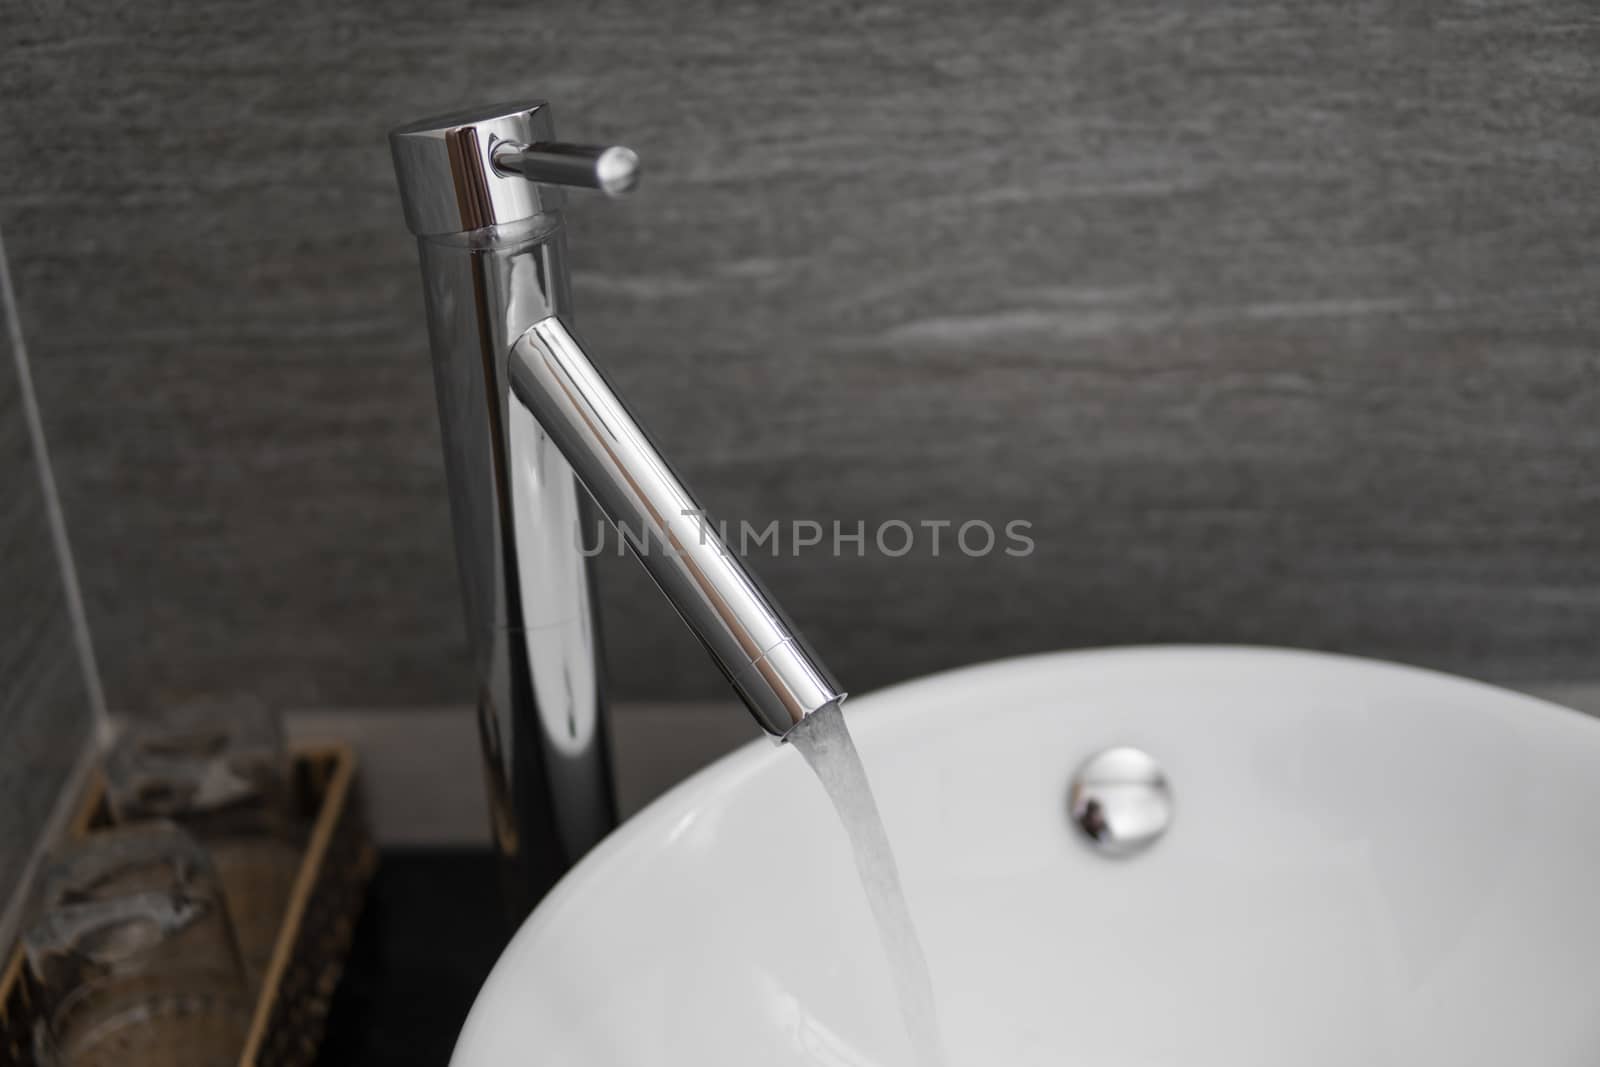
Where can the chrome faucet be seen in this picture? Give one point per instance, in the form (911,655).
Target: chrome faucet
(522,411)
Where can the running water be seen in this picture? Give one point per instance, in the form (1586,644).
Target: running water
(824,741)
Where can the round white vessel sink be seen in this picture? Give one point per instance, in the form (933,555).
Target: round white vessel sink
(1366,864)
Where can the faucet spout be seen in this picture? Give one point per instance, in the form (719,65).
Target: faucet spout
(770,666)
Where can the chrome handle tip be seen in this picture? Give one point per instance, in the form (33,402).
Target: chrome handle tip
(616,172)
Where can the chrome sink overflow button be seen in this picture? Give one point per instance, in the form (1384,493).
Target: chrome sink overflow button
(1121,801)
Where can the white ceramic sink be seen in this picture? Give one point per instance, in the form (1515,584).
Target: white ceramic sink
(1369,865)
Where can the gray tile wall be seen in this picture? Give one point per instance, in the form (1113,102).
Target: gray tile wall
(1277,319)
(45,715)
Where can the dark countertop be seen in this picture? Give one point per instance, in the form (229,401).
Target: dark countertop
(430,932)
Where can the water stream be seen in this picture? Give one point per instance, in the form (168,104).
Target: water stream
(824,741)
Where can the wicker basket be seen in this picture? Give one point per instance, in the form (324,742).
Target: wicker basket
(297,987)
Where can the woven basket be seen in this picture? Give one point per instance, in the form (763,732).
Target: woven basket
(313,938)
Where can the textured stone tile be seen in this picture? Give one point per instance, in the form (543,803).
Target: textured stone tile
(1276,319)
(44,710)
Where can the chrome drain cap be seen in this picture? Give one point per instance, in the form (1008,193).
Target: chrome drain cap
(1121,801)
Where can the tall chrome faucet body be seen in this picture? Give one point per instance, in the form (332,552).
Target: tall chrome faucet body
(527,420)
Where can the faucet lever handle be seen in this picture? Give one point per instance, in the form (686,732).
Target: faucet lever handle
(612,169)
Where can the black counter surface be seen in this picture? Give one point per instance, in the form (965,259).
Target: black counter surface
(431,931)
